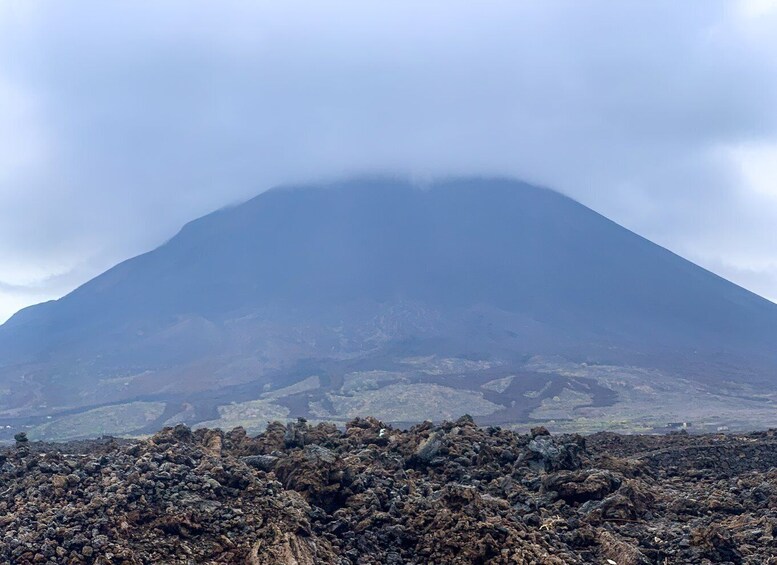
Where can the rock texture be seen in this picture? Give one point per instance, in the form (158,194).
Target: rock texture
(371,494)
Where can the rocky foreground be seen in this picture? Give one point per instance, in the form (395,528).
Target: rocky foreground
(454,493)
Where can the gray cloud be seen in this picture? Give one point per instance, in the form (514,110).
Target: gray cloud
(121,121)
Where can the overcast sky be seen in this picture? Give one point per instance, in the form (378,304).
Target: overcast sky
(120,121)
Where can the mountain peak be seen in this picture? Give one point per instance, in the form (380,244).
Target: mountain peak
(366,273)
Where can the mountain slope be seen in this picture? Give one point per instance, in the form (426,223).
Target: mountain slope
(365,274)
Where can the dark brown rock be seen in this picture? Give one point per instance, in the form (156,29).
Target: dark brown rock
(371,494)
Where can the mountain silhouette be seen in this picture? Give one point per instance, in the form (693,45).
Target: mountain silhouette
(365,273)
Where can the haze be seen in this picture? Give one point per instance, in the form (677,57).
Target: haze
(121,121)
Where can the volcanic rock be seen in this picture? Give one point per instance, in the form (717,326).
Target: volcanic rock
(371,494)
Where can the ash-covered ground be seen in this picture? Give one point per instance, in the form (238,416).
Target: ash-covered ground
(371,494)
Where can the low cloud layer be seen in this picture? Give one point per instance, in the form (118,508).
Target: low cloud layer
(121,121)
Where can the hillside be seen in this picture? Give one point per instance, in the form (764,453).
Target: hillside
(491,297)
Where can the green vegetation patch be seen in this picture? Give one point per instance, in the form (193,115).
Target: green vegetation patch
(119,419)
(252,415)
(498,385)
(311,383)
(561,406)
(412,402)
(369,380)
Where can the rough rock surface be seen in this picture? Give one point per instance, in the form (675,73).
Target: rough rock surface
(370,494)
